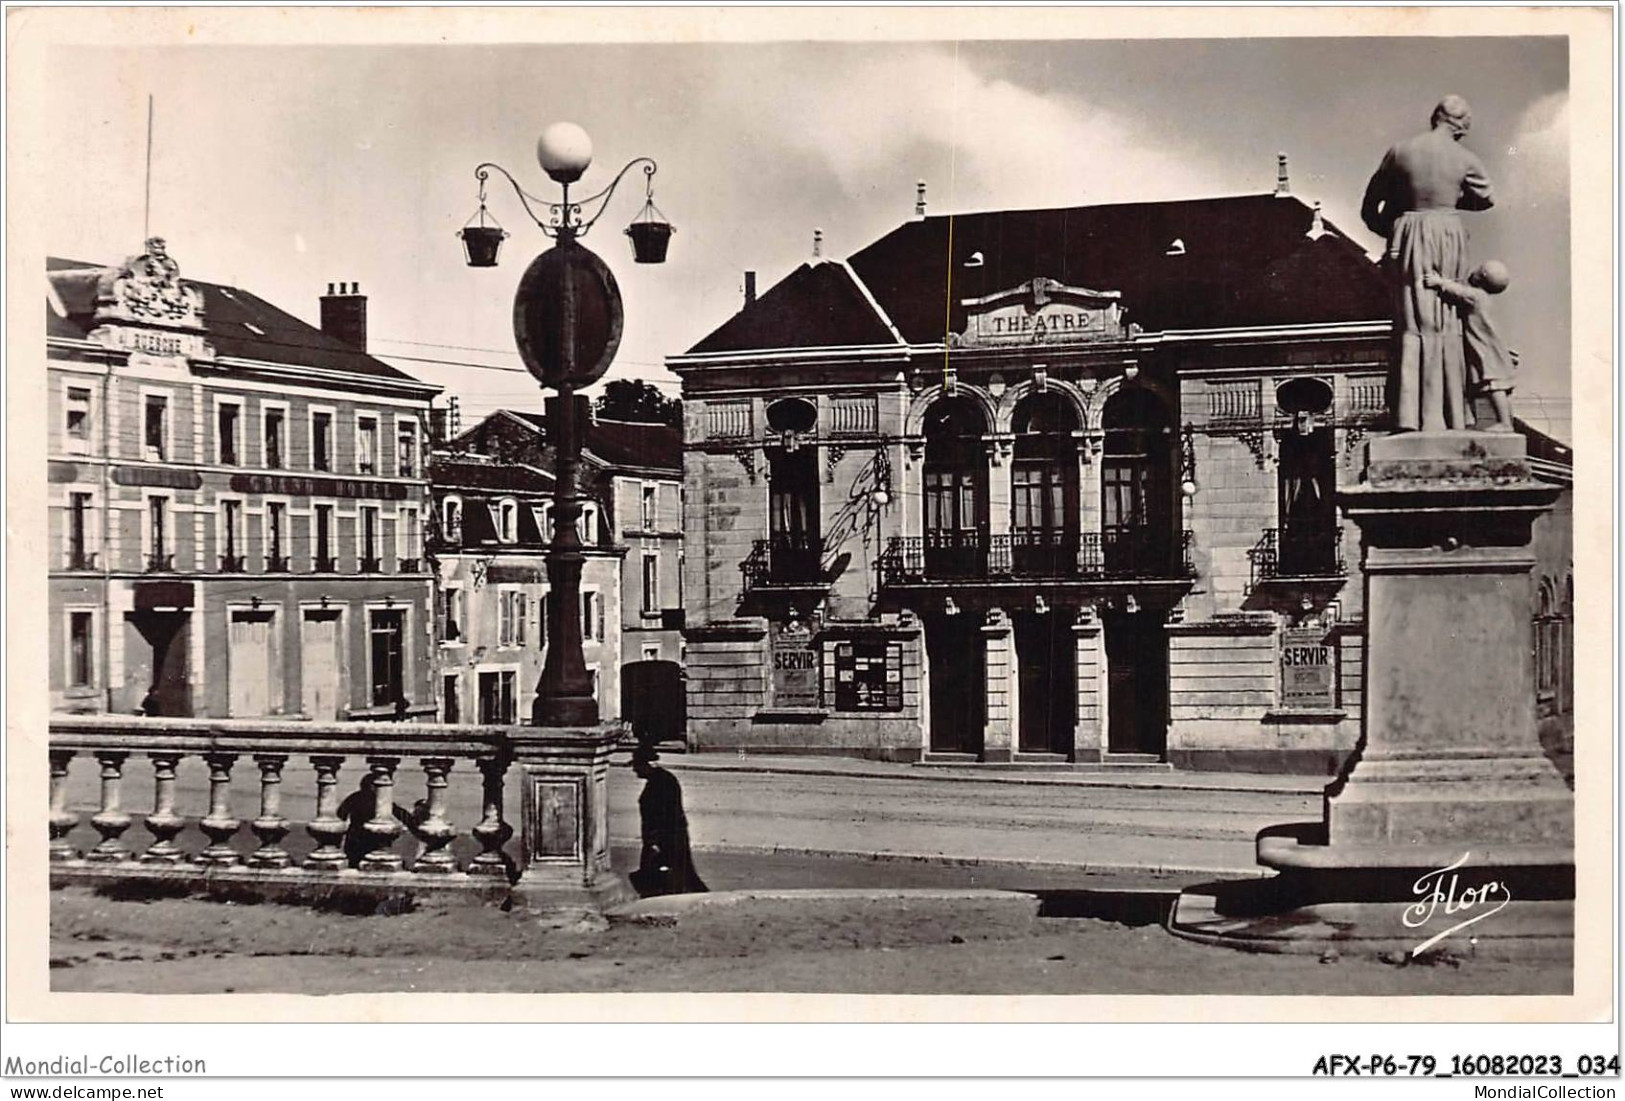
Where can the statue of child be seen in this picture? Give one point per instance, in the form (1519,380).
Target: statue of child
(1490,363)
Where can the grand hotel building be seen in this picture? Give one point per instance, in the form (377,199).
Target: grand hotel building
(1051,486)
(237,503)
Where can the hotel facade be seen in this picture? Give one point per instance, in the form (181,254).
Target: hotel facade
(237,503)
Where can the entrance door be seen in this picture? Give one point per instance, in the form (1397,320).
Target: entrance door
(319,648)
(955,650)
(250,663)
(1046,671)
(1137,684)
(166,636)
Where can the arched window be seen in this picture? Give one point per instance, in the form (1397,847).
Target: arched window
(1547,647)
(955,486)
(1306,481)
(1137,514)
(1044,487)
(795,544)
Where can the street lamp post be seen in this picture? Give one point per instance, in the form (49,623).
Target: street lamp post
(567,324)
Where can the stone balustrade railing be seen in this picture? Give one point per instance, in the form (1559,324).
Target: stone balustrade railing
(563,827)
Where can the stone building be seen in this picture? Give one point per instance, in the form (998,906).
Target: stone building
(236,503)
(1040,486)
(633,473)
(488,543)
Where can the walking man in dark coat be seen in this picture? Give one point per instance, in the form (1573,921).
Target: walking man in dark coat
(667,865)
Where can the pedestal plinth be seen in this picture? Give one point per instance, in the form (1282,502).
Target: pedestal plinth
(1448,810)
(564,773)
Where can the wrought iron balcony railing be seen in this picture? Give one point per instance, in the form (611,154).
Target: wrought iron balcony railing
(370,565)
(784,562)
(276,564)
(326,564)
(232,563)
(409,565)
(160,563)
(1119,554)
(1298,551)
(81,560)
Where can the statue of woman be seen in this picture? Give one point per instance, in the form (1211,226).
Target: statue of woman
(1412,201)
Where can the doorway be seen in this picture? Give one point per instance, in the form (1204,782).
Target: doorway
(955,650)
(160,659)
(1046,672)
(1137,683)
(320,663)
(254,668)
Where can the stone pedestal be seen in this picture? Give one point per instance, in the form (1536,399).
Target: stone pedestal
(564,778)
(1448,809)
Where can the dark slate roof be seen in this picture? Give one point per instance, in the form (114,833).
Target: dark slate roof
(1542,446)
(227,313)
(628,443)
(1247,261)
(816,306)
(622,443)
(455,471)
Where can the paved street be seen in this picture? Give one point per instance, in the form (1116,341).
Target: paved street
(790,806)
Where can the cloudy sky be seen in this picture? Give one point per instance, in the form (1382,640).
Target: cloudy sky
(283,168)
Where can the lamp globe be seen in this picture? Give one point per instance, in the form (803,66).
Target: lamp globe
(564,151)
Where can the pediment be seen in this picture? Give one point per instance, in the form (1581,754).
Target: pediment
(1044,311)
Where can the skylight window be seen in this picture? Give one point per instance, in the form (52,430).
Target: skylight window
(253,328)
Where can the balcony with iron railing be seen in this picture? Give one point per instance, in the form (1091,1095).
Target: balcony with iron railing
(1046,554)
(1298,551)
(781,562)
(81,560)
(409,565)
(370,565)
(276,564)
(326,563)
(158,562)
(232,563)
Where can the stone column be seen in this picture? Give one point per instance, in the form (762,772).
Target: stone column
(1449,811)
(1452,761)
(1089,736)
(998,736)
(999,449)
(564,775)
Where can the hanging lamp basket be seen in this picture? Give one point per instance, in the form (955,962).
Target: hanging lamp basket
(482,242)
(650,233)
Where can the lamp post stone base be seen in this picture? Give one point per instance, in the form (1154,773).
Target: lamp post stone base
(1449,828)
(564,778)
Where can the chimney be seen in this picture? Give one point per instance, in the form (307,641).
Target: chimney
(1282,188)
(818,244)
(919,198)
(750,287)
(344,315)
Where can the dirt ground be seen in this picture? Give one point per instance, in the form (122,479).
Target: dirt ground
(874,946)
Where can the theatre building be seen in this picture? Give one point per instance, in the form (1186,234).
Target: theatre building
(1049,486)
(236,503)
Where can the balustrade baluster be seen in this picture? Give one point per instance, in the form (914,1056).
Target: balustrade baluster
(61,820)
(219,825)
(326,828)
(382,829)
(434,831)
(163,823)
(270,827)
(110,821)
(492,833)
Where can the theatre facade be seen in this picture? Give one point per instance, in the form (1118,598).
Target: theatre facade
(1049,486)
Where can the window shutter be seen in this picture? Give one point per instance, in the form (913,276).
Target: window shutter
(599,601)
